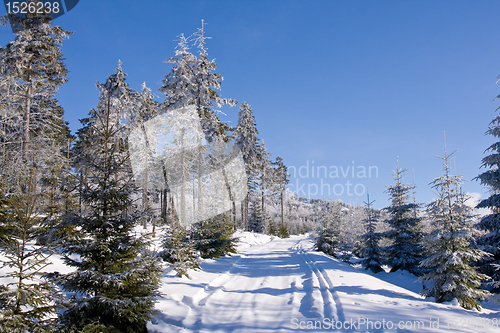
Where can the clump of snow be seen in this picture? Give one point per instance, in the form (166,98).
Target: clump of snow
(248,239)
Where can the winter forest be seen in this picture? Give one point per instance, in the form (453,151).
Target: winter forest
(119,237)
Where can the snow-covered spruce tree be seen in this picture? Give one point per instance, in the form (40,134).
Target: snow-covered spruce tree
(115,283)
(490,241)
(245,137)
(258,220)
(32,131)
(329,238)
(192,81)
(179,250)
(449,249)
(371,249)
(31,71)
(214,237)
(29,298)
(116,95)
(406,250)
(282,180)
(332,234)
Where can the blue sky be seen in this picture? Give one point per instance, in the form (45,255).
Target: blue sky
(338,83)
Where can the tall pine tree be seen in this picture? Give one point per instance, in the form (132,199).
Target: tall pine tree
(245,137)
(32,70)
(32,133)
(490,242)
(192,81)
(281,181)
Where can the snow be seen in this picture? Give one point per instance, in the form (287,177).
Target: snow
(282,285)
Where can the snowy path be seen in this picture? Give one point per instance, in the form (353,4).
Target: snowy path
(283,286)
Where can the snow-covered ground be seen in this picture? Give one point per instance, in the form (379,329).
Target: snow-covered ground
(282,285)
(275,285)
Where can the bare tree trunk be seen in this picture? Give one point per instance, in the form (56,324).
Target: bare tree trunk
(194,201)
(242,211)
(80,201)
(234,215)
(172,208)
(263,208)
(145,203)
(164,205)
(200,179)
(66,197)
(246,213)
(161,204)
(26,137)
(4,140)
(282,220)
(182,215)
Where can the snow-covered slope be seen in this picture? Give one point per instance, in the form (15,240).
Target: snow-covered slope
(275,285)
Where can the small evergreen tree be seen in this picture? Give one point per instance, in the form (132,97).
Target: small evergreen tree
(115,283)
(371,249)
(283,231)
(272,229)
(449,246)
(328,240)
(405,251)
(332,237)
(214,237)
(179,251)
(30,302)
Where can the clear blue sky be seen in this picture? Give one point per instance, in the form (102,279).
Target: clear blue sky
(334,82)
